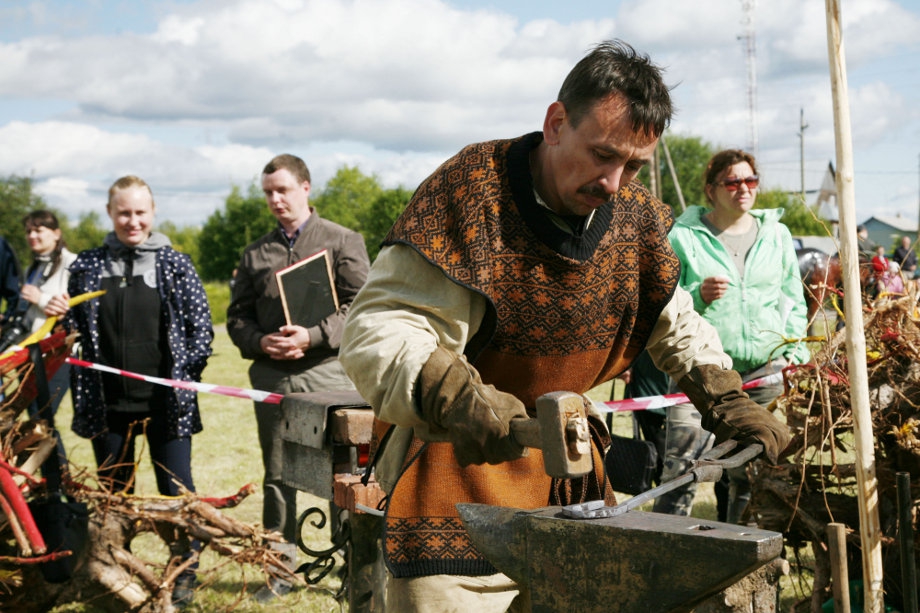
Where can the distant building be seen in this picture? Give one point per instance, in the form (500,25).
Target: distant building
(826,204)
(886,230)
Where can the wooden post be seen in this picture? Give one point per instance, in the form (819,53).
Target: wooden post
(840,584)
(680,193)
(869,527)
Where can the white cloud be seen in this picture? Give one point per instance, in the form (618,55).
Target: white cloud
(202,98)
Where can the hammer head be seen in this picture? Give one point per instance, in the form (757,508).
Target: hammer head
(564,433)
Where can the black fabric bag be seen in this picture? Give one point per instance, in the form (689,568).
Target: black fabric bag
(630,464)
(63,523)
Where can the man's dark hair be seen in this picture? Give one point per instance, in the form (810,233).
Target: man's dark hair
(615,67)
(290,163)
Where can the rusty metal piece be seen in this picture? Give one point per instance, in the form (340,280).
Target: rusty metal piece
(635,562)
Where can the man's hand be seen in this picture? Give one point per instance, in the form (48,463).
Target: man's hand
(729,413)
(288,343)
(475,416)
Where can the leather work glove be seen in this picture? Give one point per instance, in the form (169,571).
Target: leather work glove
(729,413)
(475,416)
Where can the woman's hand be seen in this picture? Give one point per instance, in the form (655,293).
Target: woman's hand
(57,306)
(713,288)
(31,293)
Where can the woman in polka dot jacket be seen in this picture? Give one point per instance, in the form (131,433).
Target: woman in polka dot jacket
(154,319)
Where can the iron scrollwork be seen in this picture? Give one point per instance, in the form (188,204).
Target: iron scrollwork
(324,561)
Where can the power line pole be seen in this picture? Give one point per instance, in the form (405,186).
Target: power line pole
(802,126)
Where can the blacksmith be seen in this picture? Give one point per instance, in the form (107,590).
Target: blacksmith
(522,267)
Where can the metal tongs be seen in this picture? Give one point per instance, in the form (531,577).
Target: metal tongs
(707,469)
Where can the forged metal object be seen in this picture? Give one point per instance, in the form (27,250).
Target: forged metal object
(631,563)
(323,561)
(708,469)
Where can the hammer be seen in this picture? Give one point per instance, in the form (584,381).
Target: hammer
(561,432)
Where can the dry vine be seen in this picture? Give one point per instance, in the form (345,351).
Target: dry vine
(817,483)
(108,573)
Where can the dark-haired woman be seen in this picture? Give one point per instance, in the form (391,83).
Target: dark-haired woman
(740,266)
(45,278)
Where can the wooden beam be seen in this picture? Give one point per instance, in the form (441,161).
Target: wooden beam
(869,528)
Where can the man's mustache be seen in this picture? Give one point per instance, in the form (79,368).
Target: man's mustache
(595,191)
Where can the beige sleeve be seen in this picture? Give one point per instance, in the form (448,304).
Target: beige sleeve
(406,309)
(682,339)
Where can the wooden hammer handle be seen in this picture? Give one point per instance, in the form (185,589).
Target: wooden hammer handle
(526,432)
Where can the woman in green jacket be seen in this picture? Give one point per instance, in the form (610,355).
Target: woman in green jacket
(740,266)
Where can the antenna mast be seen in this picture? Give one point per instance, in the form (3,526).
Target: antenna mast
(750,47)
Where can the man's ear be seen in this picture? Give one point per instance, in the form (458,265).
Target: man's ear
(552,124)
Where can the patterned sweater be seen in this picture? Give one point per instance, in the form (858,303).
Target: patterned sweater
(564,312)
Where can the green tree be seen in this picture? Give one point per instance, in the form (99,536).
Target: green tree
(798,217)
(184,239)
(16,200)
(226,233)
(377,220)
(88,233)
(346,196)
(689,154)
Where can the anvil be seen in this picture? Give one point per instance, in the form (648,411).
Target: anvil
(634,562)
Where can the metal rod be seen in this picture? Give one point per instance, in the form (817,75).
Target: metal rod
(906,543)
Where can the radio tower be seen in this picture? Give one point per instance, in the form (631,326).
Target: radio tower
(750,48)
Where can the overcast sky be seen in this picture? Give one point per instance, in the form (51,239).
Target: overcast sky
(195,96)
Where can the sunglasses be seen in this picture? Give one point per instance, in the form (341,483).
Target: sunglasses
(733,185)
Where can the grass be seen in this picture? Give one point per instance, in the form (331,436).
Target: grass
(225,456)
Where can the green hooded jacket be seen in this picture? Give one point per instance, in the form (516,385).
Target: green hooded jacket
(759,311)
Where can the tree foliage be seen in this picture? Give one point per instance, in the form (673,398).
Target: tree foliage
(17,200)
(800,218)
(689,154)
(346,195)
(89,232)
(184,239)
(226,233)
(377,220)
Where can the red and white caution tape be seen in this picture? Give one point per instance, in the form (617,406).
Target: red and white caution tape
(612,406)
(223,390)
(668,400)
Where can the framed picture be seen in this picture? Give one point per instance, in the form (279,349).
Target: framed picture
(307,291)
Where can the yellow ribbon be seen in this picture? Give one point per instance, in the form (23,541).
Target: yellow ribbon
(49,323)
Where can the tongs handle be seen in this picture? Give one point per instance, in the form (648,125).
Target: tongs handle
(707,469)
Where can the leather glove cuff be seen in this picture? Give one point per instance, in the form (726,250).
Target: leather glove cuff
(474,417)
(709,385)
(430,386)
(729,413)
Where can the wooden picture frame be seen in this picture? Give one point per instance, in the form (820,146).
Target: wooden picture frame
(307,290)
